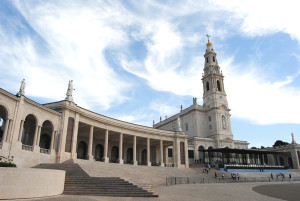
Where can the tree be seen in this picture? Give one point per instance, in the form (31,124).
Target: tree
(280,143)
(253,148)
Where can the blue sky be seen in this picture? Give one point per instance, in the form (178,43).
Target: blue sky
(138,61)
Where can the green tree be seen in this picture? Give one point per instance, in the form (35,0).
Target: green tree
(280,143)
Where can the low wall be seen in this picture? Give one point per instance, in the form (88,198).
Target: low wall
(30,182)
(257,170)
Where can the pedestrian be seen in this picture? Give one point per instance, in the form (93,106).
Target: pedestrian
(203,168)
(271,175)
(216,175)
(290,176)
(283,176)
(238,176)
(223,176)
(231,176)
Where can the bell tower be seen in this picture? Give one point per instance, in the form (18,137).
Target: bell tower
(214,97)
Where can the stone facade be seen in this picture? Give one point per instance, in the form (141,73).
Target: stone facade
(55,132)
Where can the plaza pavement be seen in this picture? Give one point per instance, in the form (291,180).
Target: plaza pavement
(206,192)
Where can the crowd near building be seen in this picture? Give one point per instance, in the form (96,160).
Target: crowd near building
(55,132)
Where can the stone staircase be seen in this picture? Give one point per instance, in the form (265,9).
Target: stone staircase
(78,182)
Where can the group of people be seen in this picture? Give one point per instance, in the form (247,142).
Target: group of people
(282,175)
(206,168)
(235,176)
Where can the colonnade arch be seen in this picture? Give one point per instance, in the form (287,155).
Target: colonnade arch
(29,130)
(115,147)
(99,152)
(46,135)
(3,122)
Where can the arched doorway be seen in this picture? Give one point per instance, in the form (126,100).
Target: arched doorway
(144,157)
(45,141)
(129,155)
(210,155)
(281,161)
(114,154)
(29,130)
(82,150)
(201,154)
(3,117)
(99,152)
(46,132)
(290,162)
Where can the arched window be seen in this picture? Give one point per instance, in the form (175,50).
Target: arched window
(206,59)
(207,86)
(82,150)
(223,122)
(214,59)
(219,85)
(209,118)
(99,152)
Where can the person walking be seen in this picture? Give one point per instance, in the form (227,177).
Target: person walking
(223,176)
(271,175)
(238,176)
(216,175)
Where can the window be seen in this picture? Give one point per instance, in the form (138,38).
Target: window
(186,126)
(191,153)
(218,85)
(170,152)
(214,59)
(206,59)
(207,86)
(224,122)
(210,127)
(209,118)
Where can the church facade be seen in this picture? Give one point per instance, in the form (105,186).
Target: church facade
(36,133)
(207,126)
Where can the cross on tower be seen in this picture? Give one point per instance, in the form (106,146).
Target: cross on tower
(208,37)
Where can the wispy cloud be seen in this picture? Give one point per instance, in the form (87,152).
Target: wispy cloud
(51,42)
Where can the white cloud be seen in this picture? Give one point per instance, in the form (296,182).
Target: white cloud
(75,37)
(264,17)
(257,99)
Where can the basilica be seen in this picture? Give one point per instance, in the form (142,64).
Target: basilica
(55,132)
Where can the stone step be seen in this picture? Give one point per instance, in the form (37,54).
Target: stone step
(78,182)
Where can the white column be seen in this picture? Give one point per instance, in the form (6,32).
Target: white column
(174,154)
(21,130)
(36,145)
(134,150)
(148,152)
(74,137)
(38,136)
(52,141)
(5,130)
(161,154)
(106,160)
(186,153)
(166,161)
(121,149)
(35,135)
(90,148)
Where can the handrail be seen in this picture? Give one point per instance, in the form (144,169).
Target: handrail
(199,180)
(27,147)
(44,151)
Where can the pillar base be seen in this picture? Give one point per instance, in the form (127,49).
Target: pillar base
(162,165)
(36,149)
(121,161)
(74,155)
(135,163)
(5,145)
(106,160)
(148,163)
(91,157)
